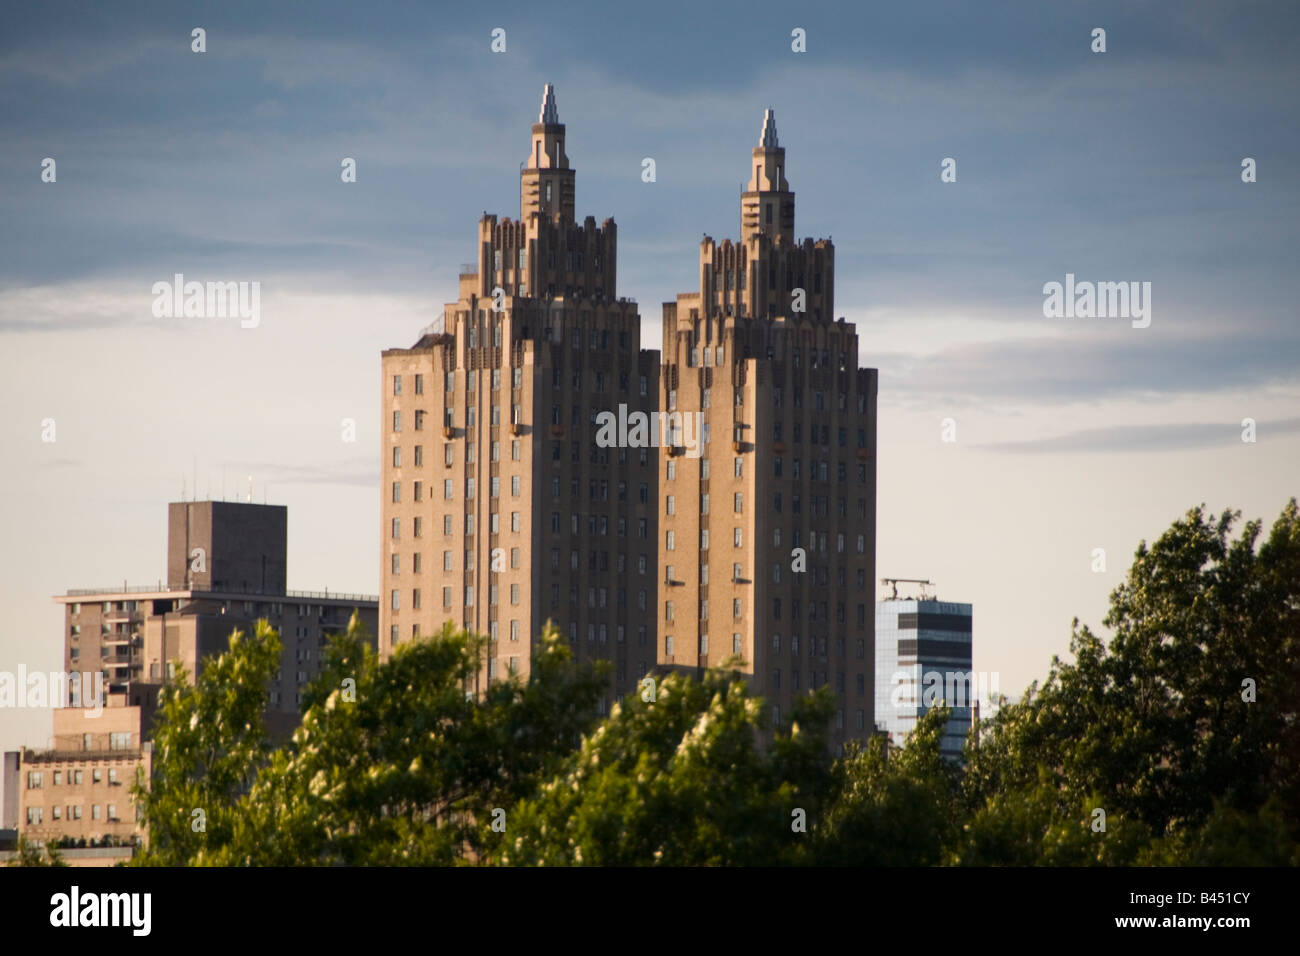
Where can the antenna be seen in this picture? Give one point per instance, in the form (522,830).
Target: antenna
(250,489)
(895,582)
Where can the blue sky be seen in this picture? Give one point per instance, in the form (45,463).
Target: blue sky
(1072,434)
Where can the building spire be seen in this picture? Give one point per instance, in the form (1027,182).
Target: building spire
(768,139)
(550,114)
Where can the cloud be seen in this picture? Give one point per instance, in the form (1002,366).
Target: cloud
(1145,438)
(361,472)
(1091,361)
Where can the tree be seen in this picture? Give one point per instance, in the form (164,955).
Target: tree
(210,741)
(1161,727)
(36,854)
(896,809)
(411,769)
(693,777)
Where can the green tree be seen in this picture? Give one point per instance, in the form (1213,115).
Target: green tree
(35,854)
(1157,727)
(210,740)
(411,771)
(896,809)
(693,777)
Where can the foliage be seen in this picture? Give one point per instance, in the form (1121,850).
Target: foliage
(693,777)
(34,854)
(211,740)
(1183,730)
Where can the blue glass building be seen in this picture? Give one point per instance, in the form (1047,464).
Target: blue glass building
(923,659)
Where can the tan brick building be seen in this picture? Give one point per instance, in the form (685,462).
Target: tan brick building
(789,464)
(491,425)
(500,512)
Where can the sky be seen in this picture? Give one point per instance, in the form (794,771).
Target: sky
(1070,434)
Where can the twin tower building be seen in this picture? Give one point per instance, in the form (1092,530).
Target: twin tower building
(748,531)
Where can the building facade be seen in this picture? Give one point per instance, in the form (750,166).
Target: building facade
(768,538)
(923,659)
(739,524)
(226,569)
(500,510)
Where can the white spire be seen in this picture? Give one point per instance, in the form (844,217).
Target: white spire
(550,114)
(768,140)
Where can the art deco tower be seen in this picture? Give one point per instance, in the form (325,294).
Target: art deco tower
(767,541)
(500,510)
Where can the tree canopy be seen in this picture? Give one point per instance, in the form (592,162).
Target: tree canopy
(1177,741)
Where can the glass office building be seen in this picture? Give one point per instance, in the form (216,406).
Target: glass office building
(923,659)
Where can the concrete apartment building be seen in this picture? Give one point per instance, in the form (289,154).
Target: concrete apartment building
(500,511)
(226,569)
(678,557)
(768,539)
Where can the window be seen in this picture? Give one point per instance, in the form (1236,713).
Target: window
(397,528)
(33,815)
(397,600)
(397,421)
(397,385)
(739,465)
(397,456)
(669,543)
(397,492)
(737,537)
(671,505)
(34,780)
